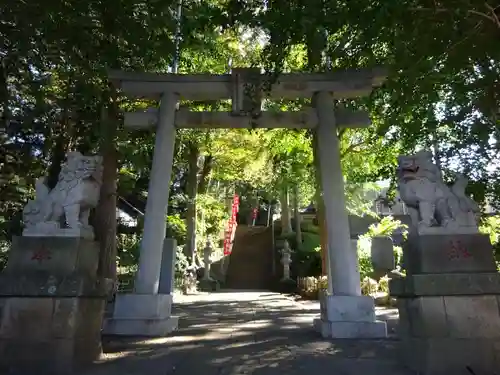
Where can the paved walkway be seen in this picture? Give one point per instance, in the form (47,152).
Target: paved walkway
(258,333)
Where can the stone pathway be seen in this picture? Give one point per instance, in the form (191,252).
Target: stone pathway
(240,332)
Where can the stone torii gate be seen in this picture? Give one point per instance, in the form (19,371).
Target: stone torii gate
(345,313)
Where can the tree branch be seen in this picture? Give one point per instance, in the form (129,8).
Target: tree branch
(353,146)
(493,13)
(493,18)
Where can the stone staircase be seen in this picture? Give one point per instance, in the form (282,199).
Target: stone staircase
(250,263)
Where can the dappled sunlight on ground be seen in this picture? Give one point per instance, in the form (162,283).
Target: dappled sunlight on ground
(247,332)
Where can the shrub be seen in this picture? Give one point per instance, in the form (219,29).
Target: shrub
(368,286)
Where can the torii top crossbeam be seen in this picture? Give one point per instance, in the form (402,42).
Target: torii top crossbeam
(342,84)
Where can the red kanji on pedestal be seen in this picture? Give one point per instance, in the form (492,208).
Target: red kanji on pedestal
(41,254)
(457,250)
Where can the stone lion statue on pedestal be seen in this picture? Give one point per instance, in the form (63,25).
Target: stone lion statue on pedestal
(64,210)
(433,205)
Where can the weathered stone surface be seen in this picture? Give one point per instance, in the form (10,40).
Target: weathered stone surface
(426,316)
(436,331)
(358,225)
(441,356)
(350,330)
(166,284)
(446,284)
(27,318)
(45,284)
(443,253)
(60,256)
(382,254)
(141,315)
(53,334)
(347,308)
(472,316)
(57,356)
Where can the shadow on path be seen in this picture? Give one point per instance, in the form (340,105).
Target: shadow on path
(245,332)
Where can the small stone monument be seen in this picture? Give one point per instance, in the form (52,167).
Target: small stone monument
(207,283)
(51,299)
(382,256)
(286,260)
(449,300)
(207,253)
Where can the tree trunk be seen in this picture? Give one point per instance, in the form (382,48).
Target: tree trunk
(56,160)
(320,206)
(205,173)
(298,230)
(286,224)
(191,191)
(105,223)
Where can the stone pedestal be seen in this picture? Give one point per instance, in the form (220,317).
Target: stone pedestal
(142,315)
(137,314)
(51,305)
(348,317)
(449,320)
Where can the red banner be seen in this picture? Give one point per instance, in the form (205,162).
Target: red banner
(231,226)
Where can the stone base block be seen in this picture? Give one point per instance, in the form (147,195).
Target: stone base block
(446,284)
(59,256)
(141,315)
(141,327)
(53,334)
(456,317)
(445,334)
(445,356)
(351,330)
(347,308)
(448,253)
(349,317)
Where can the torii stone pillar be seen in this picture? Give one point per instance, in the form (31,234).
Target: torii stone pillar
(148,275)
(145,312)
(345,313)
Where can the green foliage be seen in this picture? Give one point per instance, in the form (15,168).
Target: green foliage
(176,228)
(491,225)
(386,227)
(364,261)
(181,265)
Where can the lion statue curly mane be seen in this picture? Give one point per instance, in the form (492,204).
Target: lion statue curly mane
(431,203)
(64,210)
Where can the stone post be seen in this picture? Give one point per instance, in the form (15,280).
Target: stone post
(167,275)
(286,260)
(146,312)
(346,314)
(286,224)
(207,253)
(148,275)
(342,260)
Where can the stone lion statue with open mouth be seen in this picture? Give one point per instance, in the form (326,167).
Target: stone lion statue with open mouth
(432,203)
(64,210)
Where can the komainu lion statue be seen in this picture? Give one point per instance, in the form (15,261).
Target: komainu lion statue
(432,203)
(64,210)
